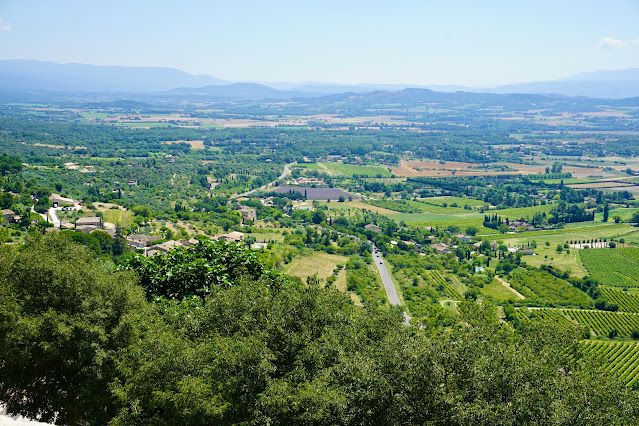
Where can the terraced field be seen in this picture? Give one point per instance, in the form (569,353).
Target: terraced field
(621,359)
(610,267)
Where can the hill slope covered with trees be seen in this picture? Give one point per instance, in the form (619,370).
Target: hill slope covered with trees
(80,344)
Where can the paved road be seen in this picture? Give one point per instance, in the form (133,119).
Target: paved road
(287,170)
(53,218)
(386,279)
(391,293)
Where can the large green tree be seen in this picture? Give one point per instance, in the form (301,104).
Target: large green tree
(80,345)
(62,322)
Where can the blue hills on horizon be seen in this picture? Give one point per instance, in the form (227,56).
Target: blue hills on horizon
(31,75)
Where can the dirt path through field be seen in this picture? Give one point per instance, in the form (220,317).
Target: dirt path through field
(326,169)
(505,284)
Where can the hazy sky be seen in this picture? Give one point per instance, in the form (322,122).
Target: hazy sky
(419,42)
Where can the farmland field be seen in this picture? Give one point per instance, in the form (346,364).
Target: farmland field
(610,267)
(602,323)
(625,213)
(631,253)
(115,214)
(313,166)
(566,261)
(351,169)
(626,299)
(196,144)
(315,193)
(498,292)
(582,230)
(464,218)
(555,315)
(322,263)
(543,287)
(438,282)
(357,205)
(460,201)
(620,359)
(405,206)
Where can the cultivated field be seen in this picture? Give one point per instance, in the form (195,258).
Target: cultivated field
(620,359)
(610,267)
(450,168)
(351,169)
(115,214)
(321,263)
(332,194)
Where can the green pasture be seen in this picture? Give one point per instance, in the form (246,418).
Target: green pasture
(498,292)
(350,169)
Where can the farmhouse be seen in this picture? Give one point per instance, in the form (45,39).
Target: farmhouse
(463,238)
(57,200)
(87,229)
(89,221)
(8,215)
(232,236)
(442,248)
(137,241)
(162,248)
(371,227)
(109,228)
(247,213)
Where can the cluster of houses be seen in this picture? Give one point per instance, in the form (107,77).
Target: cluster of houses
(145,242)
(149,243)
(341,158)
(446,248)
(520,225)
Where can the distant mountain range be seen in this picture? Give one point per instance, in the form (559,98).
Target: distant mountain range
(239,91)
(51,76)
(30,76)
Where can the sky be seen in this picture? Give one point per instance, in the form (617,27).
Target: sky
(473,43)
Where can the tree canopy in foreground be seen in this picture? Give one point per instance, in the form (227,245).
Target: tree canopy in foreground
(80,344)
